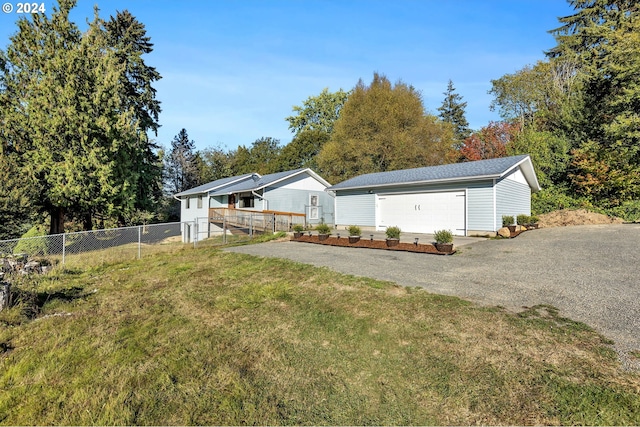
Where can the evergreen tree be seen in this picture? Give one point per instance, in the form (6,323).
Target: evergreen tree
(603,39)
(181,167)
(66,116)
(452,111)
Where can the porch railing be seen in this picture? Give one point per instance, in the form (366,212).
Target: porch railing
(257,220)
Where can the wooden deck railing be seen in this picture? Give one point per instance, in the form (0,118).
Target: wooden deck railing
(257,220)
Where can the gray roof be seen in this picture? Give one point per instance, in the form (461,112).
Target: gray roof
(491,168)
(255,184)
(204,188)
(246,182)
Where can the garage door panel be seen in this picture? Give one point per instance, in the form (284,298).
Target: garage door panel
(423,212)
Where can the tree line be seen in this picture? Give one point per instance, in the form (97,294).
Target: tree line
(76,149)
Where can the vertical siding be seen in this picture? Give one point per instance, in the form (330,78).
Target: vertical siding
(480,207)
(355,208)
(512,198)
(192,214)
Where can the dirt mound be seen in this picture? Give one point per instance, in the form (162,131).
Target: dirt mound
(565,217)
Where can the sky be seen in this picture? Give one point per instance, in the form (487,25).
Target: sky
(232,70)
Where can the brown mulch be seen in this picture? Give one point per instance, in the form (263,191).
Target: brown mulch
(565,217)
(372,244)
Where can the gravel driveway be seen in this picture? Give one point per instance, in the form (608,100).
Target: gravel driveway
(591,273)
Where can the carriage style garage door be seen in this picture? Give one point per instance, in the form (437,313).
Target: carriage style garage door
(423,212)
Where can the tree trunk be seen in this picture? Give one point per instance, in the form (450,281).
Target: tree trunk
(57,220)
(87,222)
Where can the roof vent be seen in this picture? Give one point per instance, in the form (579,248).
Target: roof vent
(255,176)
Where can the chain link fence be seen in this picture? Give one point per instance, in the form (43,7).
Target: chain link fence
(96,246)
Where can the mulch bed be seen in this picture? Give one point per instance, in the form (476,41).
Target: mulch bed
(372,244)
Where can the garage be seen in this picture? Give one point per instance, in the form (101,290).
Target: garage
(423,212)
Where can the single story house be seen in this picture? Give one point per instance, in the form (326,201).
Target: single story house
(467,198)
(299,191)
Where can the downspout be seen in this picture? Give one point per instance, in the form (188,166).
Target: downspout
(263,199)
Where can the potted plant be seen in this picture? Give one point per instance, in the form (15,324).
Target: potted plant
(444,240)
(354,233)
(323,231)
(533,222)
(393,235)
(523,221)
(507,221)
(297,231)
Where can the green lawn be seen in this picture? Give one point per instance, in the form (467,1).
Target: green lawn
(199,336)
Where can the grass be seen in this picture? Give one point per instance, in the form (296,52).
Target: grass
(206,337)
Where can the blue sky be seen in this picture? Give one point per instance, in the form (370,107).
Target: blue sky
(232,70)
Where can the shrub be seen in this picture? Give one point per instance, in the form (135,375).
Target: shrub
(523,219)
(393,232)
(354,230)
(533,219)
(443,236)
(298,228)
(507,220)
(36,242)
(323,229)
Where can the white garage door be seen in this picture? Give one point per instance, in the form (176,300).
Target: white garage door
(423,212)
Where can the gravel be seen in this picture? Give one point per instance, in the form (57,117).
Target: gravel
(590,273)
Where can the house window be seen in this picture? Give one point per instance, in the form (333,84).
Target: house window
(247,200)
(188,203)
(199,202)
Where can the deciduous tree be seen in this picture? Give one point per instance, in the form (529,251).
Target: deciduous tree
(318,113)
(383,127)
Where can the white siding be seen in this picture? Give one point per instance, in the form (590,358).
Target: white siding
(302,182)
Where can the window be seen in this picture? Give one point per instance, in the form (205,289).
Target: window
(247,200)
(188,202)
(199,202)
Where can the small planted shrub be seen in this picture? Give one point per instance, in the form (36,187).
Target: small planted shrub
(523,219)
(354,230)
(443,236)
(393,232)
(533,219)
(298,228)
(507,220)
(323,229)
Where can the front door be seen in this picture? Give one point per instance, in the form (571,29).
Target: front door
(232,201)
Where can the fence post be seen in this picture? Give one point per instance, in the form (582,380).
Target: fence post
(224,229)
(251,226)
(195,232)
(139,239)
(64,246)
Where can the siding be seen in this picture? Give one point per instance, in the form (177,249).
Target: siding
(355,208)
(512,198)
(292,200)
(480,206)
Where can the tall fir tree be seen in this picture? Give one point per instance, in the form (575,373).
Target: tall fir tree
(67,117)
(181,164)
(452,111)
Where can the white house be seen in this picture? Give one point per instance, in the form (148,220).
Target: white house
(300,191)
(466,198)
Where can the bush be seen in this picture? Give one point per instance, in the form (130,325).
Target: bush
(36,244)
(354,230)
(393,232)
(443,236)
(323,229)
(298,228)
(533,219)
(523,219)
(507,220)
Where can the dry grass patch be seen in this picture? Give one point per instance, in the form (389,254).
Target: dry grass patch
(204,337)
